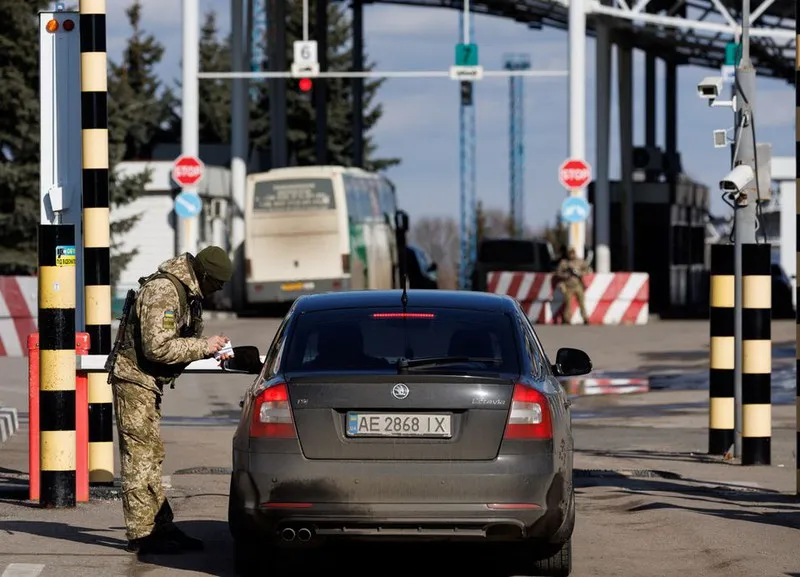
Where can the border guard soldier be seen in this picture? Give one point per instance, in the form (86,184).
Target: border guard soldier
(570,282)
(160,333)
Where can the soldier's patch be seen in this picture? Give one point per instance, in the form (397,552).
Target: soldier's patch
(168,322)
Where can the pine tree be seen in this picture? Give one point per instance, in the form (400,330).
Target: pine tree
(301,118)
(19,135)
(139,109)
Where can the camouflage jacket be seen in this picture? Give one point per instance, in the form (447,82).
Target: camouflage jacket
(569,272)
(163,334)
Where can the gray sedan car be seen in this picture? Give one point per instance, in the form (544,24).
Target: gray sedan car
(437,416)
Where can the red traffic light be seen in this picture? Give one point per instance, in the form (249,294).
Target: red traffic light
(305,84)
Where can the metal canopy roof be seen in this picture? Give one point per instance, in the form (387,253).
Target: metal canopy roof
(693,31)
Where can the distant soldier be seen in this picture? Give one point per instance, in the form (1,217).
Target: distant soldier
(160,334)
(570,282)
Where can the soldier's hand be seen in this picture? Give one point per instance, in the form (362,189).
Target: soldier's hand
(216,343)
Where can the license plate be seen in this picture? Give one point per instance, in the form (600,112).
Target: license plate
(297,286)
(398,425)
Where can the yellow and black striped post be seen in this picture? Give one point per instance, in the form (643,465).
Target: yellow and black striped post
(756,354)
(57,284)
(721,354)
(97,234)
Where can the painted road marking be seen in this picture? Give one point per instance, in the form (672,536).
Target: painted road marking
(23,570)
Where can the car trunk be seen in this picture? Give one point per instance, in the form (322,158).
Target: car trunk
(367,417)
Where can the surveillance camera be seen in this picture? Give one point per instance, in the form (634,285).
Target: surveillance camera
(737,179)
(720,138)
(710,88)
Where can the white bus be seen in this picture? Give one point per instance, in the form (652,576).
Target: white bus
(318,229)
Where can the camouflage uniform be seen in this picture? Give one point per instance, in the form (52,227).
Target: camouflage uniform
(570,284)
(163,335)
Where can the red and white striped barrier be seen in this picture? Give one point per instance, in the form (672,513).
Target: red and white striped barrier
(609,386)
(18,306)
(615,298)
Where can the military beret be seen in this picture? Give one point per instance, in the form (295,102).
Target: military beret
(215,262)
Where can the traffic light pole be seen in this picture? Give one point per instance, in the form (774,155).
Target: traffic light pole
(744,214)
(752,339)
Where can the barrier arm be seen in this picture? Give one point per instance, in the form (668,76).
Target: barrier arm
(96,364)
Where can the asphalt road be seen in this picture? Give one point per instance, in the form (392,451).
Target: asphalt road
(659,508)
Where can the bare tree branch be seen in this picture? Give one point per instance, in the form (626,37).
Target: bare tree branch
(438,236)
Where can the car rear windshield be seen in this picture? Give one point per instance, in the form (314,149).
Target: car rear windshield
(374,340)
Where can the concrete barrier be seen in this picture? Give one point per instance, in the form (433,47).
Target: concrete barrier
(619,298)
(18,309)
(9,423)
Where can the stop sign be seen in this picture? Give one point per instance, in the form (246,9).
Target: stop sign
(187,170)
(574,173)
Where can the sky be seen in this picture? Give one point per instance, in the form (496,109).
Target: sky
(420,122)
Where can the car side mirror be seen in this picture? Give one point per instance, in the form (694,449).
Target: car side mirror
(246,360)
(433,268)
(572,363)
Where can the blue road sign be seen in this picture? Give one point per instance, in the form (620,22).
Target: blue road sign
(466,54)
(574,209)
(188,205)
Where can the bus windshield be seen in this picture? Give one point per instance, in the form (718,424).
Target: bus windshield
(293,195)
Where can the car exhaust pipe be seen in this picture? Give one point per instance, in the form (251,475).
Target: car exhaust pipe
(288,534)
(304,535)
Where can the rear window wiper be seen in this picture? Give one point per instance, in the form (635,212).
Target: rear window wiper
(404,365)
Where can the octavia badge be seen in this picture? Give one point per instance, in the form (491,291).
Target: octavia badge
(400,391)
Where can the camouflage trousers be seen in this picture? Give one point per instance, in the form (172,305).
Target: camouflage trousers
(141,450)
(570,291)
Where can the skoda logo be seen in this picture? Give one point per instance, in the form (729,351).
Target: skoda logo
(400,391)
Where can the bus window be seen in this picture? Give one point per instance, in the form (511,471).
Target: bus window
(374,198)
(358,206)
(294,195)
(387,198)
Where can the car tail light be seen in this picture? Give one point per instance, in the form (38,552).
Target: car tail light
(345,264)
(529,417)
(272,415)
(248,268)
(403,315)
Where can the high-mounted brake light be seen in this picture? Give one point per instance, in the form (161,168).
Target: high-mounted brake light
(403,315)
(272,415)
(529,417)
